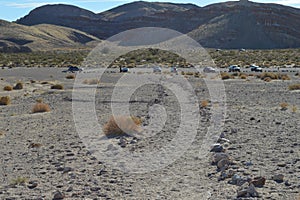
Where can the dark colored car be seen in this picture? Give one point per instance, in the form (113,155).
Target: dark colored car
(255,68)
(73,69)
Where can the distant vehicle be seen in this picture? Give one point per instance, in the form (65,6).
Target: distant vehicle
(156,69)
(255,68)
(124,69)
(174,70)
(234,68)
(73,69)
(209,70)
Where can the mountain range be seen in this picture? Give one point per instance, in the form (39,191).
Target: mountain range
(228,25)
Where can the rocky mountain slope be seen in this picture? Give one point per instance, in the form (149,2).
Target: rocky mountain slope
(20,38)
(228,25)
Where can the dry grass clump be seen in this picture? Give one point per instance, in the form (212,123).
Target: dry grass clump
(225,76)
(189,73)
(269,75)
(243,76)
(204,103)
(8,88)
(294,87)
(284,77)
(70,76)
(122,125)
(284,105)
(294,108)
(267,79)
(4,101)
(18,86)
(19,181)
(91,81)
(40,107)
(57,87)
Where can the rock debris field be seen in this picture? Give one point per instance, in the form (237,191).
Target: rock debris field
(255,154)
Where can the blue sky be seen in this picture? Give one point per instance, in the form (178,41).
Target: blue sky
(12,10)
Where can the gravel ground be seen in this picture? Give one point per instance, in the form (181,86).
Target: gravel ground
(44,157)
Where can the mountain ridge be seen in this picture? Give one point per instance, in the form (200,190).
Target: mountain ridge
(228,25)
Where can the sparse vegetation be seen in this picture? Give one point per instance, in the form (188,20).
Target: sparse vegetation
(294,87)
(294,108)
(40,107)
(18,86)
(225,76)
(91,81)
(57,87)
(4,101)
(204,103)
(70,76)
(284,105)
(8,88)
(122,125)
(19,181)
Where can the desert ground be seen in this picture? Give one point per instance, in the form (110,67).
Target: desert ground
(43,156)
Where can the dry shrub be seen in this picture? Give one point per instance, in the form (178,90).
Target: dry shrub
(8,88)
(18,86)
(57,87)
(91,81)
(270,75)
(189,73)
(267,79)
(40,107)
(204,103)
(70,76)
(294,87)
(294,108)
(284,77)
(122,125)
(39,100)
(226,76)
(182,73)
(284,105)
(4,101)
(243,76)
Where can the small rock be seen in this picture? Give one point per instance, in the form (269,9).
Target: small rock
(219,156)
(58,196)
(247,190)
(259,181)
(278,178)
(32,184)
(287,183)
(122,142)
(281,164)
(217,148)
(223,164)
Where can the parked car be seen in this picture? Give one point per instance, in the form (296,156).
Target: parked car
(255,68)
(209,70)
(124,69)
(73,69)
(234,68)
(156,69)
(174,70)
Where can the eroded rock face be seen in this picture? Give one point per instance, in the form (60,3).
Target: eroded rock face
(225,25)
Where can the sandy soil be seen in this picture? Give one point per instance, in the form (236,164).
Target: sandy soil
(43,157)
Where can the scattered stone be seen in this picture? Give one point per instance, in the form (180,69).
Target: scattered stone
(247,190)
(287,183)
(122,142)
(32,184)
(278,178)
(217,148)
(219,156)
(58,196)
(238,180)
(223,164)
(281,164)
(259,181)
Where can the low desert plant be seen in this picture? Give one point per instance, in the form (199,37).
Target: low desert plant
(19,181)
(40,107)
(57,87)
(18,86)
(294,87)
(284,105)
(294,108)
(204,103)
(8,88)
(70,76)
(267,79)
(122,125)
(284,77)
(243,76)
(39,100)
(91,81)
(225,76)
(5,101)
